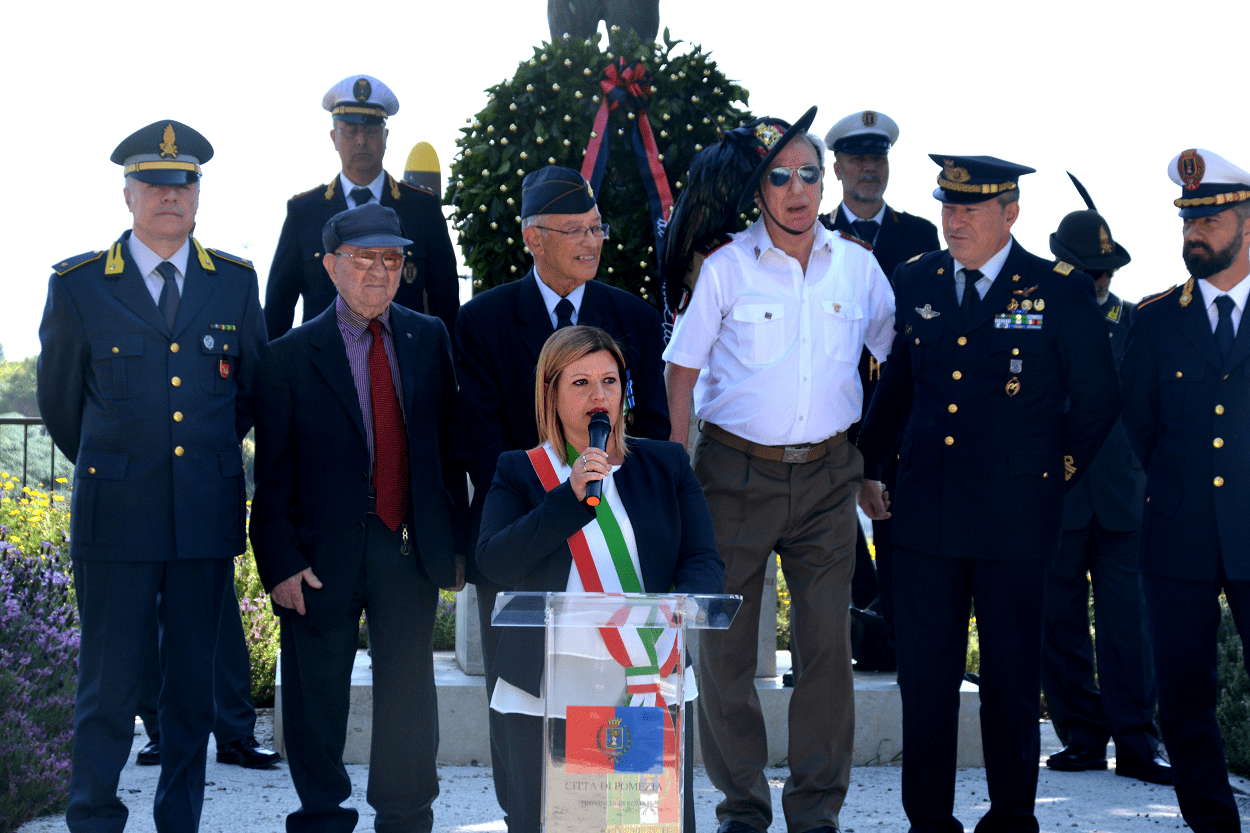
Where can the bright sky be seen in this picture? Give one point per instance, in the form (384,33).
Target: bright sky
(1110,91)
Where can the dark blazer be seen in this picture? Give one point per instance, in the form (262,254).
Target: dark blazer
(312,458)
(499,335)
(429,263)
(524,538)
(1188,415)
(982,472)
(1114,489)
(152,420)
(902,236)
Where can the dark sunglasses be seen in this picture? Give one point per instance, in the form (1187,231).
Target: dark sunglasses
(779,177)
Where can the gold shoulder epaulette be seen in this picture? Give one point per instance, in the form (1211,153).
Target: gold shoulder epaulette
(917,257)
(69,264)
(1150,299)
(855,239)
(242,261)
(1064,268)
(712,244)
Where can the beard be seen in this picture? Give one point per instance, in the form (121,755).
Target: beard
(1202,261)
(868,190)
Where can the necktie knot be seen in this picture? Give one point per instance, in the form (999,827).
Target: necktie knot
(375,327)
(360,196)
(866,230)
(564,313)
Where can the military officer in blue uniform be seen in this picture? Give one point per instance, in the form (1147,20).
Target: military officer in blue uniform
(146,381)
(359,106)
(990,344)
(861,145)
(1186,377)
(1101,521)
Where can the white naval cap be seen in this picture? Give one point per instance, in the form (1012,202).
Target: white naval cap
(1209,182)
(360,99)
(863,132)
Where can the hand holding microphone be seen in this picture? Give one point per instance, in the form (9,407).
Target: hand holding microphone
(600,427)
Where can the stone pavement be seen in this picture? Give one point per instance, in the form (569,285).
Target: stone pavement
(242,801)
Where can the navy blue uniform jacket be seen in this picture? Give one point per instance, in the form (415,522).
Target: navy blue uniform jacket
(901,236)
(312,457)
(429,263)
(153,421)
(524,539)
(981,471)
(1188,415)
(499,335)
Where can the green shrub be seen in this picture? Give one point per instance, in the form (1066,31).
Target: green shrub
(1232,708)
(783,611)
(260,628)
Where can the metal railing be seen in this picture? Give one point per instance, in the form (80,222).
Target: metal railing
(27,423)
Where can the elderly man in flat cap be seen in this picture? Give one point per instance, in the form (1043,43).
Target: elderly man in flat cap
(1186,377)
(768,352)
(860,143)
(359,106)
(1001,387)
(146,381)
(356,510)
(500,333)
(1102,517)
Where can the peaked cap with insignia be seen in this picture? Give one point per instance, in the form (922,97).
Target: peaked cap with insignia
(166,152)
(360,99)
(1084,239)
(1209,183)
(555,190)
(863,132)
(969,179)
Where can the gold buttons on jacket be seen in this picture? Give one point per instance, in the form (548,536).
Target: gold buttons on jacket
(1179,374)
(957,376)
(917,341)
(225,348)
(177,416)
(174,348)
(1219,409)
(961,341)
(1045,474)
(952,407)
(1015,351)
(950,440)
(115,350)
(91,470)
(1218,442)
(176,381)
(1219,481)
(178,452)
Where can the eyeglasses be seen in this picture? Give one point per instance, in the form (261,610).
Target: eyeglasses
(363,258)
(779,177)
(599,232)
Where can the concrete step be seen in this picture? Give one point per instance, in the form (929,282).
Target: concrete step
(464,736)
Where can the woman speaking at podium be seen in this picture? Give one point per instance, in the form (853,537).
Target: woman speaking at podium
(649,531)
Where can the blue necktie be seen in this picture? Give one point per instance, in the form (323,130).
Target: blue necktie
(168,302)
(564,313)
(360,196)
(1224,326)
(971,296)
(866,230)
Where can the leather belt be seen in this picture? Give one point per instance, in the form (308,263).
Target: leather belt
(778,453)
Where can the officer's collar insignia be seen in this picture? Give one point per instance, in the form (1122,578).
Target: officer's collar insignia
(941,270)
(1069,467)
(1015,277)
(949,171)
(1191,167)
(1187,294)
(768,134)
(927,311)
(1104,241)
(168,148)
(869,118)
(361,90)
(1113,314)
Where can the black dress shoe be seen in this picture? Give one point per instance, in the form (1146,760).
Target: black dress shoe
(826,829)
(737,827)
(149,755)
(1078,758)
(247,753)
(1153,770)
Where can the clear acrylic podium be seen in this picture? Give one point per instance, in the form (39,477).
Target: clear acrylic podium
(615,703)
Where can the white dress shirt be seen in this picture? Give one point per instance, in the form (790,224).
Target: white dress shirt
(778,350)
(347,185)
(1238,293)
(550,298)
(147,261)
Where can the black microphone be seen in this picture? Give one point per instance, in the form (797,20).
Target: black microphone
(600,427)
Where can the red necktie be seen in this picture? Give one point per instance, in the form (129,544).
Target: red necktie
(390,440)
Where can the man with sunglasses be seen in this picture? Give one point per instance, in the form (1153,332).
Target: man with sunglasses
(1102,517)
(357,508)
(860,144)
(1000,388)
(499,334)
(359,106)
(767,352)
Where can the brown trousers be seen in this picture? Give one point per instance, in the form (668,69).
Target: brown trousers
(806,513)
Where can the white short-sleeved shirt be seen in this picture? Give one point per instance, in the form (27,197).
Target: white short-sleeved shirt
(778,351)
